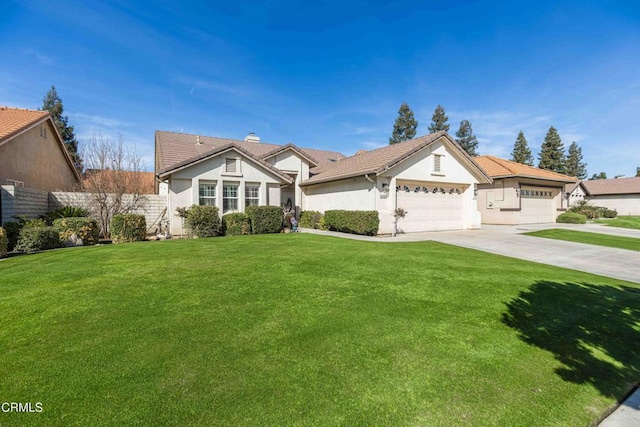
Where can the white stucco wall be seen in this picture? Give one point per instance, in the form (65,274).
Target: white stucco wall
(289,162)
(500,203)
(360,194)
(184,184)
(624,204)
(576,195)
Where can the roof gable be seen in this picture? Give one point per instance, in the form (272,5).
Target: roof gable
(173,148)
(382,159)
(501,168)
(293,148)
(221,150)
(16,121)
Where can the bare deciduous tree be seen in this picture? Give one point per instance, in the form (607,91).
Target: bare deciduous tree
(112,178)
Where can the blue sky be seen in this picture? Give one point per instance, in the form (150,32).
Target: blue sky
(332,75)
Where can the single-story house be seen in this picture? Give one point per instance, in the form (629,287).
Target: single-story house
(32,152)
(430,177)
(620,194)
(520,194)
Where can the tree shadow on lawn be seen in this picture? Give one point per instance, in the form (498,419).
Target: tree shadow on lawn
(593,330)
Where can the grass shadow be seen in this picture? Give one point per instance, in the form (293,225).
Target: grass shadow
(593,330)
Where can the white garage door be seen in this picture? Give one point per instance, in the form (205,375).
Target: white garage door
(538,205)
(430,207)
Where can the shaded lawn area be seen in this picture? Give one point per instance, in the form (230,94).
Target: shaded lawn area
(598,239)
(622,221)
(303,329)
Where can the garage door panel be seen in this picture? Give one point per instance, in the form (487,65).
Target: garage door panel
(538,205)
(429,211)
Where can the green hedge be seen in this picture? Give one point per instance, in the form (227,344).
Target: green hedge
(236,224)
(4,242)
(128,228)
(12,229)
(86,229)
(34,239)
(354,222)
(310,219)
(265,219)
(203,221)
(571,218)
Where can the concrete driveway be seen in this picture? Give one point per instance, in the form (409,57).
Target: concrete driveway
(509,241)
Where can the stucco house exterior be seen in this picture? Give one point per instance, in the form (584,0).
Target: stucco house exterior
(520,194)
(32,153)
(620,194)
(431,177)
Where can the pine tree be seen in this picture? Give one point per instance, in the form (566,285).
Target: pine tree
(467,139)
(637,172)
(575,166)
(552,152)
(439,120)
(521,152)
(405,126)
(53,104)
(601,175)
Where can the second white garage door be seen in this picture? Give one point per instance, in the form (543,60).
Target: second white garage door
(431,207)
(538,205)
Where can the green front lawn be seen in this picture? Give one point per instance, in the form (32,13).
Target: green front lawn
(622,221)
(310,330)
(598,239)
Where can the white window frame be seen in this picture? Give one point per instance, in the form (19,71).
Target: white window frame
(228,197)
(205,193)
(251,198)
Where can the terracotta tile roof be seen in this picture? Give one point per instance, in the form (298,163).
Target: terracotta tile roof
(377,161)
(501,168)
(173,148)
(595,187)
(15,120)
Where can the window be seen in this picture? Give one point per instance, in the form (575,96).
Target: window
(207,194)
(231,165)
(43,132)
(437,163)
(229,197)
(251,194)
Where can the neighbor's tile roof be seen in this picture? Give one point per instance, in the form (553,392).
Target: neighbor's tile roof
(377,161)
(15,120)
(501,168)
(146,180)
(597,187)
(173,148)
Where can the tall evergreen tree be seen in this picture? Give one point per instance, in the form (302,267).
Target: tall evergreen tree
(53,104)
(552,152)
(405,126)
(575,166)
(521,152)
(467,139)
(637,172)
(439,120)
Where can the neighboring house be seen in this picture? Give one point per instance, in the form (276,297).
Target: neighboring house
(520,194)
(32,153)
(431,177)
(621,194)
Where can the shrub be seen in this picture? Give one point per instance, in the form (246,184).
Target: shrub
(65,212)
(128,228)
(202,221)
(4,242)
(32,223)
(34,239)
(355,222)
(236,224)
(571,218)
(265,219)
(12,230)
(608,213)
(85,229)
(310,219)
